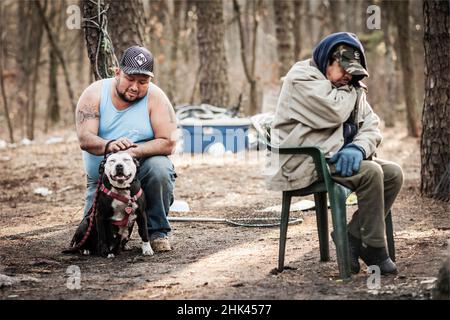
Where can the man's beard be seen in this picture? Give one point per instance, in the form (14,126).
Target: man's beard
(122,96)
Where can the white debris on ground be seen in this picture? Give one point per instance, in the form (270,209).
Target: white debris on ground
(416,289)
(52,140)
(66,137)
(42,191)
(26,142)
(179,206)
(301,205)
(8,281)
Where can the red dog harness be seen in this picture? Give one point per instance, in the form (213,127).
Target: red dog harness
(125,199)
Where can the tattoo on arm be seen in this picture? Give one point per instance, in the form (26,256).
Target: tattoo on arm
(87,112)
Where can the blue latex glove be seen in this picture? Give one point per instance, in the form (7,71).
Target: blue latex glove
(347,160)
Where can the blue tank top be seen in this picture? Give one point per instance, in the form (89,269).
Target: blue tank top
(133,123)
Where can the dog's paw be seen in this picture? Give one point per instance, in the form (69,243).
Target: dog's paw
(111,256)
(86,252)
(147,249)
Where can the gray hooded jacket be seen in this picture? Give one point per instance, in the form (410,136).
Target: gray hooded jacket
(311,112)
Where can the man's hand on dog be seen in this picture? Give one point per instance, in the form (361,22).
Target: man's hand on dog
(120,145)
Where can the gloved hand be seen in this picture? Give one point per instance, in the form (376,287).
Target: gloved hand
(347,160)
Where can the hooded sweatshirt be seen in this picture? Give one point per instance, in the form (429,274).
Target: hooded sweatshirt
(322,52)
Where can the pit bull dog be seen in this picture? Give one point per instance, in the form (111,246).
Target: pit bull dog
(120,202)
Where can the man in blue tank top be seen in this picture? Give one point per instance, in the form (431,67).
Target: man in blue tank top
(139,117)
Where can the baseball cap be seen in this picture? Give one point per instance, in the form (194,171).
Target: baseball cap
(137,60)
(350,59)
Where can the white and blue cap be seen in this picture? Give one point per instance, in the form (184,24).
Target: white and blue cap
(137,60)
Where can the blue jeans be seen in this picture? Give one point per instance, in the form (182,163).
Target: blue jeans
(157,176)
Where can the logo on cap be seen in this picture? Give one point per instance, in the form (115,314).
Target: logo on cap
(356,55)
(140,59)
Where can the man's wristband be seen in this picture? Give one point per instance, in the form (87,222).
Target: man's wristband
(106,147)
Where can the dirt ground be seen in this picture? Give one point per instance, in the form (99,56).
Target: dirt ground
(209,260)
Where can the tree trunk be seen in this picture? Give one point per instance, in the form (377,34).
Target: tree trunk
(81,60)
(435,145)
(249,67)
(308,22)
(350,14)
(53,99)
(159,16)
(3,52)
(214,86)
(53,113)
(102,57)
(58,52)
(284,34)
(189,26)
(23,62)
(402,19)
(323,19)
(37,41)
(363,5)
(389,106)
(28,61)
(176,19)
(297,29)
(92,36)
(335,11)
(126,22)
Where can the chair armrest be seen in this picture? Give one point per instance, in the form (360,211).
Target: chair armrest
(314,152)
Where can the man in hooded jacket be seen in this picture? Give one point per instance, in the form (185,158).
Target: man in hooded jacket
(323,103)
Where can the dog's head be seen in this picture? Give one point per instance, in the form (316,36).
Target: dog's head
(121,169)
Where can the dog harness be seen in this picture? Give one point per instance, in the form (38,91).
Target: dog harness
(125,199)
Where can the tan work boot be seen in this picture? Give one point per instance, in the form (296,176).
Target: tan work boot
(160,244)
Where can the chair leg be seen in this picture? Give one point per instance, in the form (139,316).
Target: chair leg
(339,217)
(285,207)
(390,235)
(322,224)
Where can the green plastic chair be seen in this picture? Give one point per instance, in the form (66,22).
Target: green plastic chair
(338,195)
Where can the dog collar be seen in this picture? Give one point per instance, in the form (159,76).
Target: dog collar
(120,197)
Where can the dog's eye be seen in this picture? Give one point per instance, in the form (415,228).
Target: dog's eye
(112,161)
(127,160)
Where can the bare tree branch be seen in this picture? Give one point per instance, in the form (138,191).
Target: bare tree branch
(58,53)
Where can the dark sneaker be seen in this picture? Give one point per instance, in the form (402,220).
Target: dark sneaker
(379,257)
(354,245)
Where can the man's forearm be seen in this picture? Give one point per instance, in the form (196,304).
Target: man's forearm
(93,144)
(159,146)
